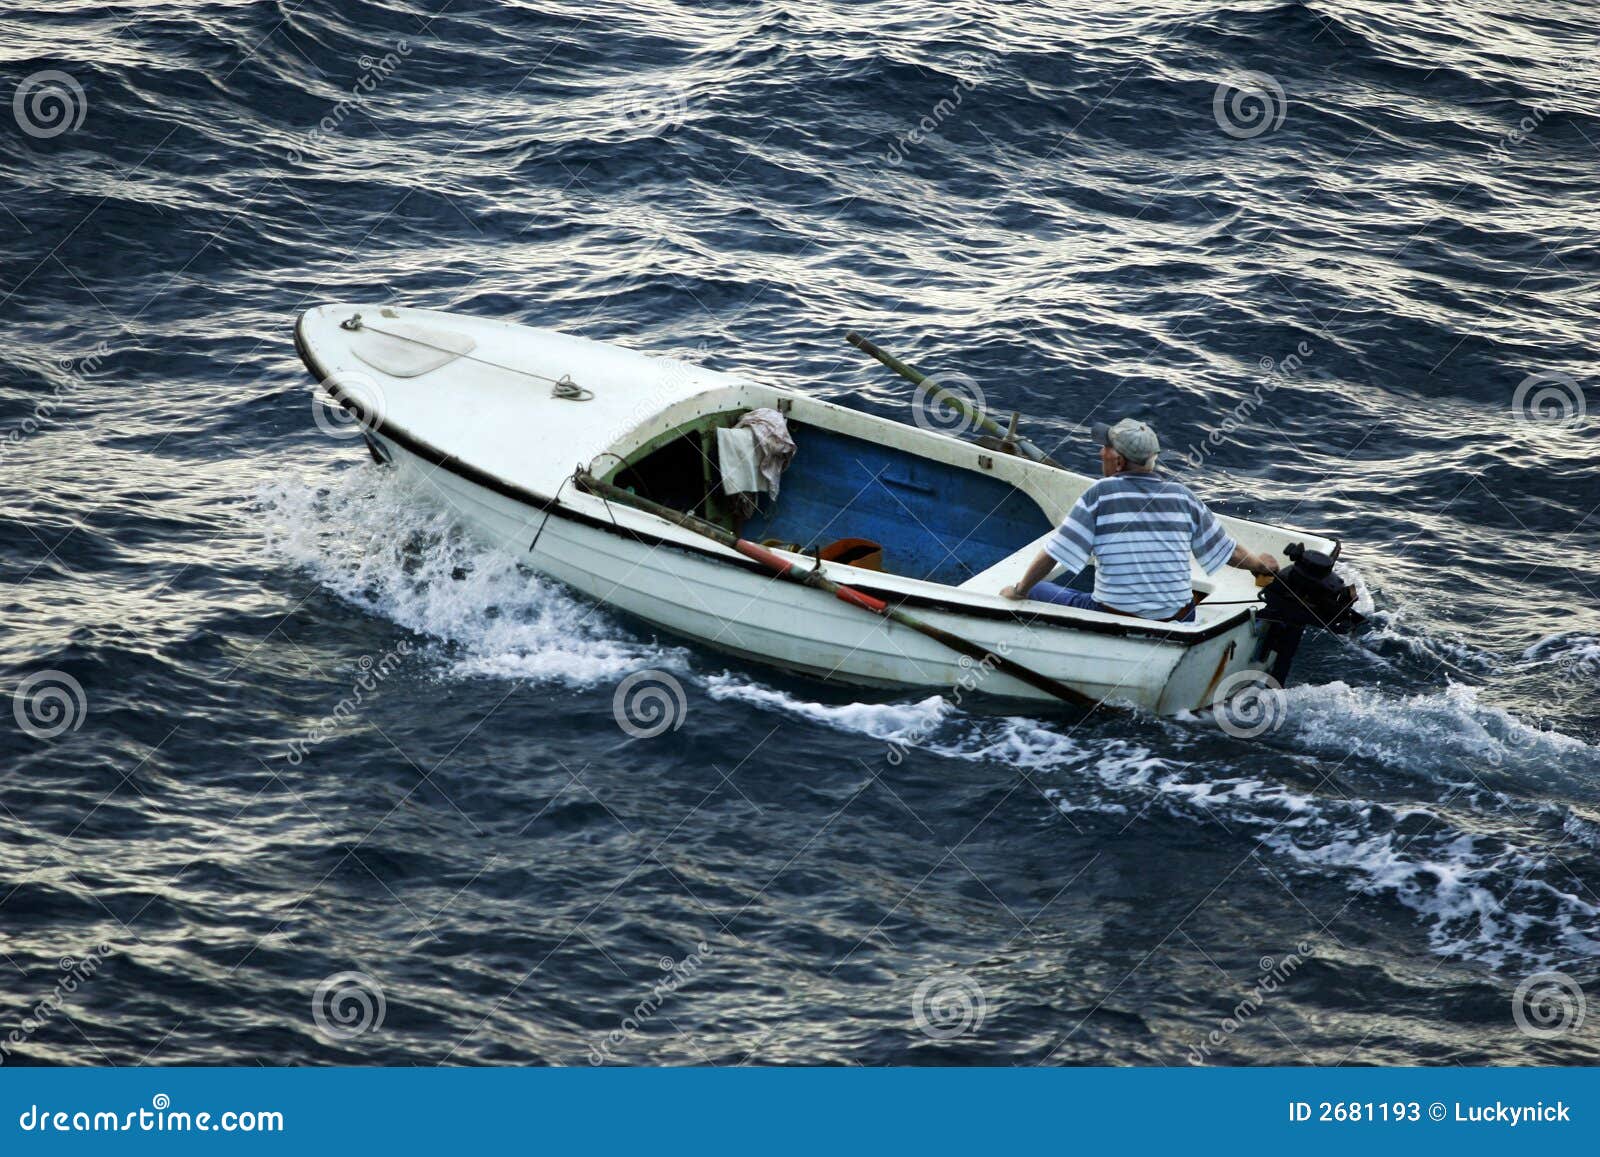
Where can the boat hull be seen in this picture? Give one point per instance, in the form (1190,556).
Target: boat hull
(745,611)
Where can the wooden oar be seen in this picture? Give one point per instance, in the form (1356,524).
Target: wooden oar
(967,407)
(813,577)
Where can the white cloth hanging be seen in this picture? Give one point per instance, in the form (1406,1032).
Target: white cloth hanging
(755,453)
(741,468)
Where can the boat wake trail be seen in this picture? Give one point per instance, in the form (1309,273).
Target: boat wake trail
(1576,657)
(375,541)
(1481,870)
(1450,737)
(1391,639)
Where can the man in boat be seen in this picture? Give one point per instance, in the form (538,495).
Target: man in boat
(1141,529)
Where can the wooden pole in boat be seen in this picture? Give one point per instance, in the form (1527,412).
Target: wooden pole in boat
(813,577)
(967,407)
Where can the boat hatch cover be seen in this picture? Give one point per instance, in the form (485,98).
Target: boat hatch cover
(409,351)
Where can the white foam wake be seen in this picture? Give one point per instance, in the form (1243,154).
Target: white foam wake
(1439,734)
(1575,657)
(896,721)
(370,538)
(1389,633)
(1363,604)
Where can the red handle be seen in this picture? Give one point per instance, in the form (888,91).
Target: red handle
(783,566)
(865,602)
(762,555)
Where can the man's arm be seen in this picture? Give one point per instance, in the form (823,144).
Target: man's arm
(1213,545)
(1070,547)
(1037,570)
(1254,563)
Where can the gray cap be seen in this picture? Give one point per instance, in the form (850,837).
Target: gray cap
(1132,439)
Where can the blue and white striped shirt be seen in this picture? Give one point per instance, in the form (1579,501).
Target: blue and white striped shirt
(1141,529)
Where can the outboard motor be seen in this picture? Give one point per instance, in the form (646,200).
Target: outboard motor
(1306,593)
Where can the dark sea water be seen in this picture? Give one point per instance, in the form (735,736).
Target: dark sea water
(275,721)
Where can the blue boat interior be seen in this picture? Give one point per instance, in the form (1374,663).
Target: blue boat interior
(934,521)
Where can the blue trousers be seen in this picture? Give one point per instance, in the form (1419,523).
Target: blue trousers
(1067,597)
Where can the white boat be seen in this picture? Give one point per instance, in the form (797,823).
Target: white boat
(495,418)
